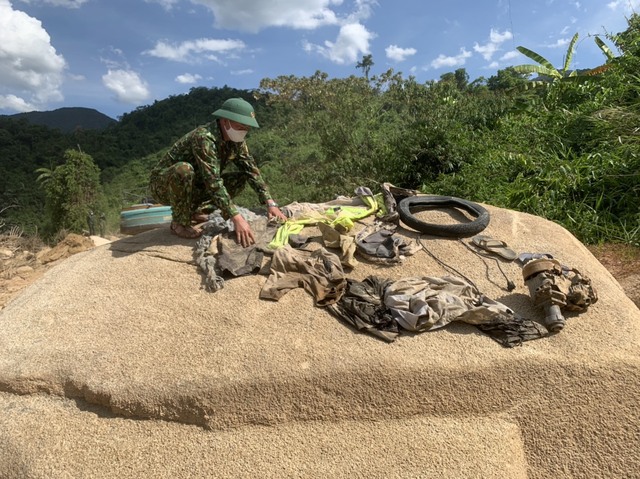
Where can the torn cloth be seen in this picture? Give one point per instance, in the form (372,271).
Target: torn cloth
(363,308)
(341,217)
(378,243)
(319,272)
(424,303)
(219,255)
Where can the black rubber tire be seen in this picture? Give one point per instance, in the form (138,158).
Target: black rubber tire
(459,230)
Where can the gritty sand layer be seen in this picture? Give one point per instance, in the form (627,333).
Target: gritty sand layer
(118,361)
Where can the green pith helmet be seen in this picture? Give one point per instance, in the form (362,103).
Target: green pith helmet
(237,109)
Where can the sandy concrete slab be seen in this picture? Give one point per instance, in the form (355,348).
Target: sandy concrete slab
(128,329)
(47,437)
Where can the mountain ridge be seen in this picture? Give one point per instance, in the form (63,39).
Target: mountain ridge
(67,119)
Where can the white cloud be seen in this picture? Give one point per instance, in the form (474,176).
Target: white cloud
(127,86)
(561,42)
(352,42)
(246,71)
(510,55)
(495,40)
(188,51)
(59,3)
(363,10)
(188,78)
(398,54)
(498,38)
(255,15)
(454,61)
(31,71)
(166,4)
(629,5)
(14,103)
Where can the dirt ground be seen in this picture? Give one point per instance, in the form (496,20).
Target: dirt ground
(623,262)
(23,260)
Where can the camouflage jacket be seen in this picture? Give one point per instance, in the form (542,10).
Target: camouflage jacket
(211,155)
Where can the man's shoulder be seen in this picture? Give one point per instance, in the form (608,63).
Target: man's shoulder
(199,134)
(202,130)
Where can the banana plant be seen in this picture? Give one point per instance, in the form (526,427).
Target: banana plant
(604,48)
(544,66)
(607,53)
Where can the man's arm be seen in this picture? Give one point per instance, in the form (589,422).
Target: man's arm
(248,164)
(206,155)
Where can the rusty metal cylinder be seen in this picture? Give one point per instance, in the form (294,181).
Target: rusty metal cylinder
(543,277)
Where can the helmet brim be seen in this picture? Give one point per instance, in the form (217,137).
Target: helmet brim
(229,115)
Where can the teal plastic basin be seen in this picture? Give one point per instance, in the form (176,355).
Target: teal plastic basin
(144,217)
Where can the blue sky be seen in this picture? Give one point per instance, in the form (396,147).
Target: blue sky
(116,55)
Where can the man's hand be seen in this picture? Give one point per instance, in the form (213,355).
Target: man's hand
(274,212)
(244,235)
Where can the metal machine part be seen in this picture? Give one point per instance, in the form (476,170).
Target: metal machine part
(545,280)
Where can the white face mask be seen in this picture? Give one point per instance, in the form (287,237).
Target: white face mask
(237,136)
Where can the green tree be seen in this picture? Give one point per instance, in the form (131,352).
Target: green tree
(72,190)
(459,78)
(365,64)
(507,79)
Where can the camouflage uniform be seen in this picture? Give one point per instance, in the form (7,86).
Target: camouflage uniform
(203,169)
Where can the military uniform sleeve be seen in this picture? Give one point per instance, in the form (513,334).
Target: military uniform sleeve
(205,154)
(247,164)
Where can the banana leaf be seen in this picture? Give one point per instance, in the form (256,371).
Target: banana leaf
(569,55)
(536,58)
(604,48)
(541,70)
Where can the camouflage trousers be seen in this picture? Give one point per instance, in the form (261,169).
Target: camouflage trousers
(180,187)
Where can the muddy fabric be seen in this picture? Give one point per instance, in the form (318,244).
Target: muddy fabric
(378,243)
(298,241)
(299,211)
(332,238)
(341,217)
(304,210)
(421,304)
(362,307)
(514,331)
(319,272)
(235,260)
(391,196)
(205,257)
(425,303)
(219,256)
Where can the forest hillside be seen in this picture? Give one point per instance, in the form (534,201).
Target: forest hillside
(548,140)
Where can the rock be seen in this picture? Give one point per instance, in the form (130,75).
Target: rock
(118,361)
(22,270)
(99,240)
(69,246)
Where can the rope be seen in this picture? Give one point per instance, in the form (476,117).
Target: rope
(447,266)
(510,284)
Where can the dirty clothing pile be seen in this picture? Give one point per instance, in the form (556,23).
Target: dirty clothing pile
(380,306)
